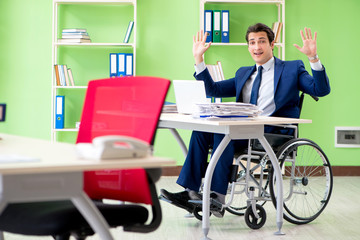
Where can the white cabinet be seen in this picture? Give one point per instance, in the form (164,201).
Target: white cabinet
(83,58)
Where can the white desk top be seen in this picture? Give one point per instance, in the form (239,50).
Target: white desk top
(61,157)
(175,117)
(242,128)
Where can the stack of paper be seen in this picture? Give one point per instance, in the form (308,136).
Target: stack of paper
(74,35)
(226,110)
(169,108)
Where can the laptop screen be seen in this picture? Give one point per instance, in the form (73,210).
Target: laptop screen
(187,93)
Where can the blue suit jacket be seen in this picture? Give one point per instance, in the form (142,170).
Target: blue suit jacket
(290,77)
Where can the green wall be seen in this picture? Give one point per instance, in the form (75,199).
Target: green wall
(165,30)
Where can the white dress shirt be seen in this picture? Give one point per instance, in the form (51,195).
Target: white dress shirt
(265,100)
(266,91)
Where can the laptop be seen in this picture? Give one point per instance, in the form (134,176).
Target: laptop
(187,93)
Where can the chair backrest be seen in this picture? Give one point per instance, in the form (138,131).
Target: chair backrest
(128,106)
(302,96)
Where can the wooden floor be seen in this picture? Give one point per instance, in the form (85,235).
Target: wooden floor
(340,220)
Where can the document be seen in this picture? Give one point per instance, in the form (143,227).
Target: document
(226,110)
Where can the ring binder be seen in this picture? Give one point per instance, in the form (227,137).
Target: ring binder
(208,25)
(59,112)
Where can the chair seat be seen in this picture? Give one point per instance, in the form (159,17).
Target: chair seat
(275,141)
(61,217)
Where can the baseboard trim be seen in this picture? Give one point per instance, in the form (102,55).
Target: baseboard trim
(346,170)
(337,171)
(171,171)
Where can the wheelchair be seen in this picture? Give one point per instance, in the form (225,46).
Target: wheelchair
(307,180)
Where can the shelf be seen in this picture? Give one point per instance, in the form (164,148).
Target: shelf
(240,44)
(70,87)
(65,130)
(96,44)
(245,1)
(88,2)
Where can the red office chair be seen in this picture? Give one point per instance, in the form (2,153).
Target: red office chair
(128,106)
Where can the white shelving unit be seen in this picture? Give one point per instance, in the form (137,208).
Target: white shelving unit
(280,18)
(56,45)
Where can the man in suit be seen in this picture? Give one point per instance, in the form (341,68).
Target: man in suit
(276,94)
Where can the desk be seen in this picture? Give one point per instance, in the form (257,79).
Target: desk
(58,175)
(244,128)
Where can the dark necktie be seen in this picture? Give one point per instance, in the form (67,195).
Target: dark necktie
(256,86)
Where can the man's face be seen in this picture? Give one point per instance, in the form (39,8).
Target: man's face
(260,48)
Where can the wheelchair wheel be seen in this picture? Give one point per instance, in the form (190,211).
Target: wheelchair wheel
(251,220)
(307,180)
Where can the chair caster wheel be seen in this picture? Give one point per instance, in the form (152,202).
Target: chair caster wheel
(251,220)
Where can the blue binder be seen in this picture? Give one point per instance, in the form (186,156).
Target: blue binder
(225,27)
(59,112)
(208,15)
(129,64)
(121,63)
(113,64)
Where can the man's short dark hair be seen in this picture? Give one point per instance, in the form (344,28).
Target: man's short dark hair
(260,27)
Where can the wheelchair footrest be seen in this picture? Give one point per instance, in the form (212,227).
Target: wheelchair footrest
(190,207)
(214,204)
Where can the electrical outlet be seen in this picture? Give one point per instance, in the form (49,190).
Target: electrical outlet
(347,137)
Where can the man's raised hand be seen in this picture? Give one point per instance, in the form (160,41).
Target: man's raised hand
(200,46)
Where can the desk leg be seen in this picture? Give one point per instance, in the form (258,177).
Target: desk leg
(279,183)
(92,215)
(179,141)
(207,183)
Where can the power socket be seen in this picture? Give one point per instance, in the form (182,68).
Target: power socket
(347,137)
